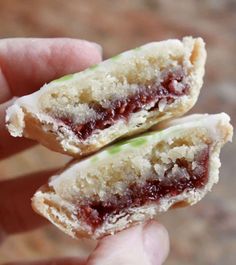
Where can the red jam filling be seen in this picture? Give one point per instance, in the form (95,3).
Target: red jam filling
(170,88)
(94,213)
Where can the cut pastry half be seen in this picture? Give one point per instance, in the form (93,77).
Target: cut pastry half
(125,95)
(133,180)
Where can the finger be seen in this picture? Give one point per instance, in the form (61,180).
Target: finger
(10,145)
(16,214)
(64,261)
(146,244)
(27,63)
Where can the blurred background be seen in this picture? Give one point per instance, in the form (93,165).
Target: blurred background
(202,234)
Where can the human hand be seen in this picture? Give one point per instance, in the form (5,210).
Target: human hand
(25,65)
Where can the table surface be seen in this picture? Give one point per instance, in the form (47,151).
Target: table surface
(202,234)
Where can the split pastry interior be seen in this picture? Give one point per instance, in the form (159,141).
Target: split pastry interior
(105,191)
(135,179)
(80,113)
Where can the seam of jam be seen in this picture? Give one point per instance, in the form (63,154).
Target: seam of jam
(170,89)
(94,213)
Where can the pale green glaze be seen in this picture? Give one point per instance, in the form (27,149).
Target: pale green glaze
(134,142)
(116,57)
(93,67)
(64,78)
(138,141)
(119,146)
(114,149)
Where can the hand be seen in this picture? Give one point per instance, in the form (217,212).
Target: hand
(25,65)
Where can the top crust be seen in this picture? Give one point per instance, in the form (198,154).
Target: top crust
(34,115)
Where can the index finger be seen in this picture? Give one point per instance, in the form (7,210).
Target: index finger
(26,64)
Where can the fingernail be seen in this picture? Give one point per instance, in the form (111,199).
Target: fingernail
(97,47)
(155,242)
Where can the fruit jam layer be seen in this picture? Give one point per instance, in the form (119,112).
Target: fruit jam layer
(185,178)
(169,89)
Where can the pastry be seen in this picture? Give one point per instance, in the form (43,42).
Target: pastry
(135,179)
(80,113)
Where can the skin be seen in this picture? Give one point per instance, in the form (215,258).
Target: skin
(25,65)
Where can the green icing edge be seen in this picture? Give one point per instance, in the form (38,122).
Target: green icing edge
(93,67)
(114,58)
(64,78)
(138,141)
(134,142)
(114,149)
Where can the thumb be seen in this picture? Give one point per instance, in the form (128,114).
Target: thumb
(146,244)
